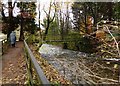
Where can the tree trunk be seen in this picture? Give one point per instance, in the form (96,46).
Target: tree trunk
(67,20)
(21,31)
(85,17)
(46,32)
(10,28)
(110,11)
(95,17)
(61,25)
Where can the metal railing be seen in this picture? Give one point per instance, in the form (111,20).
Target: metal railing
(32,63)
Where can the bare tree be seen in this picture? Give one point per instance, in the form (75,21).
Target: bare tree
(49,19)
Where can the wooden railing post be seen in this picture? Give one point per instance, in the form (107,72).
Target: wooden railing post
(1,51)
(119,74)
(29,74)
(3,48)
(30,68)
(32,63)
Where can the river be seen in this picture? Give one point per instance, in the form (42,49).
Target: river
(75,66)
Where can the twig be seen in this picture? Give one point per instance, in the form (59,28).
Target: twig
(102,78)
(117,46)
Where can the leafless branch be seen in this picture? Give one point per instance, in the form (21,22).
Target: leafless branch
(117,46)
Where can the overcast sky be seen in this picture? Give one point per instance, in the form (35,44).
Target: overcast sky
(44,4)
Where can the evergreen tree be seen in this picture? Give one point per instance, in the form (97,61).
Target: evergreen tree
(27,17)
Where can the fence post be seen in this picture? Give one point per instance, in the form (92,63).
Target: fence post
(32,63)
(2,47)
(119,75)
(30,68)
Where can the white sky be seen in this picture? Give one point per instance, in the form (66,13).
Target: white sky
(44,4)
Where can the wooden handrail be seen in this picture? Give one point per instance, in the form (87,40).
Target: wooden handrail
(38,69)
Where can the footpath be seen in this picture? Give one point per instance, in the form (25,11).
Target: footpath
(14,70)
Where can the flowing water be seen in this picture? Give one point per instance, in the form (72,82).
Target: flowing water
(73,66)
